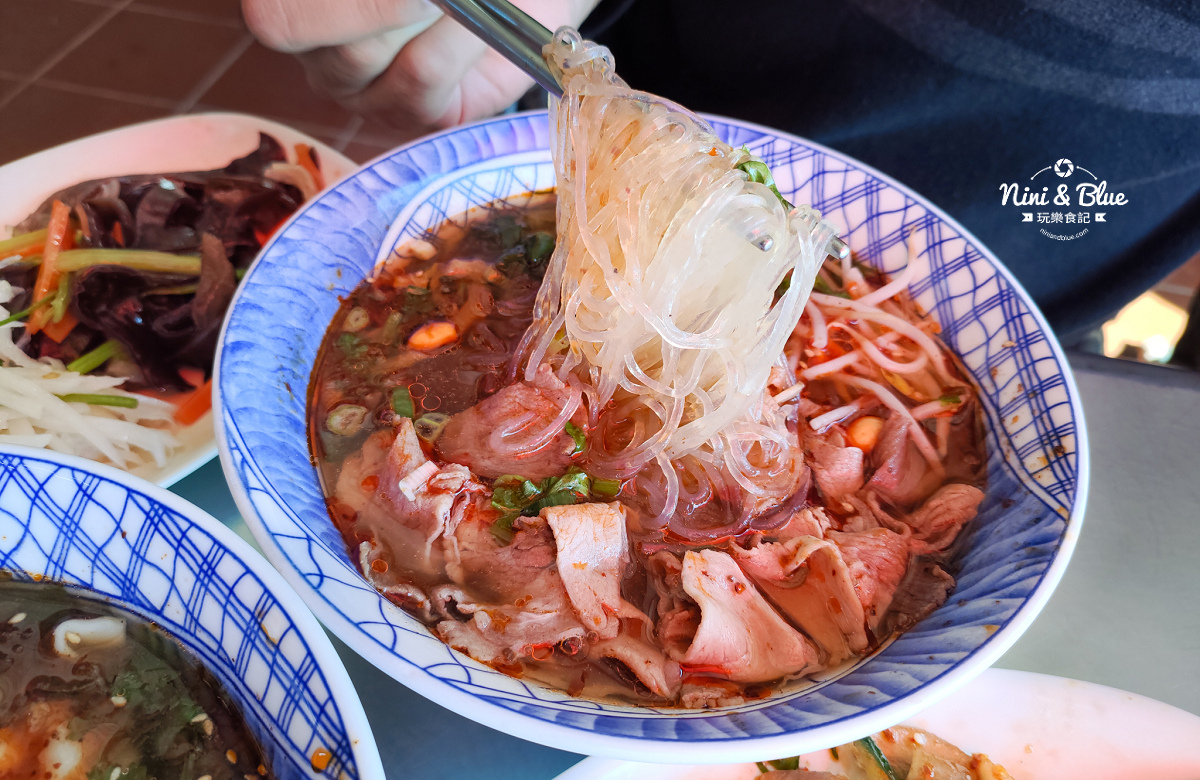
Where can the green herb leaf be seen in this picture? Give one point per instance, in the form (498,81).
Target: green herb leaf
(579,436)
(402,402)
(762,768)
(508,230)
(758,171)
(951,399)
(539,247)
(833,752)
(502,528)
(786,763)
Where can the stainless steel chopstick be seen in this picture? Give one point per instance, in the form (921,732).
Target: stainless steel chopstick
(509,30)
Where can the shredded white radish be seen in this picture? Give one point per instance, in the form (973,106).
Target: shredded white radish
(32,414)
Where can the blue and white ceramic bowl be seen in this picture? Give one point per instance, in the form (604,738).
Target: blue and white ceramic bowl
(1017,548)
(148,551)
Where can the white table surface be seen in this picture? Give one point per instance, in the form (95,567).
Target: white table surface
(1127,613)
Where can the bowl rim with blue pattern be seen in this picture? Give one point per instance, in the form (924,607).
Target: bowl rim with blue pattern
(1017,548)
(117,538)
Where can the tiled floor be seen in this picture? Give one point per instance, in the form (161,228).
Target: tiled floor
(71,68)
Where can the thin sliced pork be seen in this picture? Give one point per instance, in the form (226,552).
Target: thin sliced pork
(592,556)
(470,438)
(937,523)
(740,634)
(809,582)
(877,560)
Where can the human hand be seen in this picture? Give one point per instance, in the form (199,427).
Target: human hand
(401,61)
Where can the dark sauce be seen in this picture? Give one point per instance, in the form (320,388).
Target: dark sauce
(140,709)
(362,366)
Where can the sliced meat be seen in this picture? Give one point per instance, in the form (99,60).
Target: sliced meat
(877,560)
(403,594)
(936,524)
(592,553)
(698,693)
(810,521)
(902,475)
(924,588)
(502,634)
(809,582)
(500,573)
(739,632)
(660,674)
(838,470)
(485,437)
(678,616)
(406,532)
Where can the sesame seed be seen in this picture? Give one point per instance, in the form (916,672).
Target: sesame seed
(231,756)
(118,701)
(208,728)
(200,718)
(113,775)
(204,777)
(74,638)
(17,618)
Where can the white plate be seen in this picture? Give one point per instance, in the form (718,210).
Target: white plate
(1037,726)
(194,142)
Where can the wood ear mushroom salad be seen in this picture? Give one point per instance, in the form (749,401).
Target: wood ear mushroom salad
(646,464)
(112,295)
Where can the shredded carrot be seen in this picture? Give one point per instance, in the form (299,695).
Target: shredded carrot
(306,160)
(432,335)
(58,238)
(263,238)
(193,405)
(193,376)
(61,329)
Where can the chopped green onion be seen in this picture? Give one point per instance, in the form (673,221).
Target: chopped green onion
(951,399)
(762,768)
(240,273)
(351,345)
(58,306)
(346,420)
(391,327)
(96,399)
(402,402)
(138,259)
(786,763)
(872,750)
(26,312)
(90,361)
(606,487)
(429,425)
(356,319)
(833,752)
(417,300)
(579,436)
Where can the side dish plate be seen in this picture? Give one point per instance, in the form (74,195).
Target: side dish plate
(181,143)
